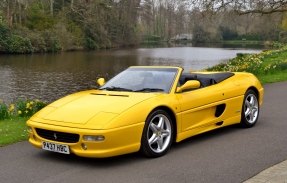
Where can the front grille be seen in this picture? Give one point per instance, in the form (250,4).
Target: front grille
(58,136)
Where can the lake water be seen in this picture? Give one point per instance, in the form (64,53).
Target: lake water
(50,76)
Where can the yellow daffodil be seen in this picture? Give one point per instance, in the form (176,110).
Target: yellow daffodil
(12,107)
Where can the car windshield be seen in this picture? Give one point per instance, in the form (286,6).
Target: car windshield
(142,80)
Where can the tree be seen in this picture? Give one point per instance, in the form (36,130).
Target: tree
(227,33)
(284,23)
(200,35)
(242,7)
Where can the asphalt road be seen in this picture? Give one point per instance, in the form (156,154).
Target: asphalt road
(228,155)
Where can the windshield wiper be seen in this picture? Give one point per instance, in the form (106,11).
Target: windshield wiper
(113,88)
(149,90)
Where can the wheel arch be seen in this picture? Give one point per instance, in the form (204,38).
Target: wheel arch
(254,89)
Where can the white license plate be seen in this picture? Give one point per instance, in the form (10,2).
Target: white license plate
(59,148)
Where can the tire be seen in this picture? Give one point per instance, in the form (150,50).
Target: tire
(157,135)
(250,109)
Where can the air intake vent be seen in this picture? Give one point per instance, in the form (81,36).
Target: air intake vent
(107,94)
(219,110)
(58,136)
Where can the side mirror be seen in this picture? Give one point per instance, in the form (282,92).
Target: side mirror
(101,81)
(191,84)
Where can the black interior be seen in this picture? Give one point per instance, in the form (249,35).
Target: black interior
(205,79)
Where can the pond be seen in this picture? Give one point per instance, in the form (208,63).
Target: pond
(49,76)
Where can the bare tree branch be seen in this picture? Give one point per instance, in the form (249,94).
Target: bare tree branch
(242,6)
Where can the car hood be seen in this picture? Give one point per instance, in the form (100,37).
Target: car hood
(97,106)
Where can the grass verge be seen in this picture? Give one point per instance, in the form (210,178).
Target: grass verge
(13,130)
(269,66)
(277,77)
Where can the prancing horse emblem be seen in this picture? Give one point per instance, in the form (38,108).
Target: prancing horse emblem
(55,136)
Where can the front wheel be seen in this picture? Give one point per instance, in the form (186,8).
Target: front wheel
(157,134)
(250,109)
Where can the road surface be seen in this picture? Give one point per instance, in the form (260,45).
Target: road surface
(227,155)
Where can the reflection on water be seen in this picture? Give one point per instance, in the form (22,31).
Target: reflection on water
(50,76)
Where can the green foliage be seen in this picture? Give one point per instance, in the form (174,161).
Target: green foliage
(77,33)
(239,55)
(200,35)
(283,36)
(21,108)
(4,112)
(51,40)
(37,19)
(151,38)
(227,33)
(5,34)
(13,43)
(37,42)
(34,36)
(26,107)
(18,44)
(90,44)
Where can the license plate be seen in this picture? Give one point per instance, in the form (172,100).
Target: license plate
(59,148)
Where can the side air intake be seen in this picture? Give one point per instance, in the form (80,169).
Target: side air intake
(219,110)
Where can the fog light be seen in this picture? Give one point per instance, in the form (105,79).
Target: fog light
(29,128)
(93,138)
(84,146)
(34,137)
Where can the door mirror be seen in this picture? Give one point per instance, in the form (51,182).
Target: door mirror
(191,84)
(101,81)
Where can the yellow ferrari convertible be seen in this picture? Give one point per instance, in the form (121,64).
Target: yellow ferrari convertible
(146,109)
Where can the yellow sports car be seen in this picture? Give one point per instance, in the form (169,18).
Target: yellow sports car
(146,109)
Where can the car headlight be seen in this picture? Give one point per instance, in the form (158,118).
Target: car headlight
(93,138)
(29,128)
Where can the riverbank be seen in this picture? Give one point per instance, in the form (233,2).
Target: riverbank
(269,66)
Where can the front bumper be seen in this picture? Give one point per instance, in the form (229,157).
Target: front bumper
(117,141)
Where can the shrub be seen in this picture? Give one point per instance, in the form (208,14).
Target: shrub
(18,44)
(52,42)
(3,110)
(37,42)
(27,107)
(39,105)
(239,55)
(227,33)
(90,44)
(5,34)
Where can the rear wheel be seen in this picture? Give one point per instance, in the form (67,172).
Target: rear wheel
(250,109)
(157,134)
